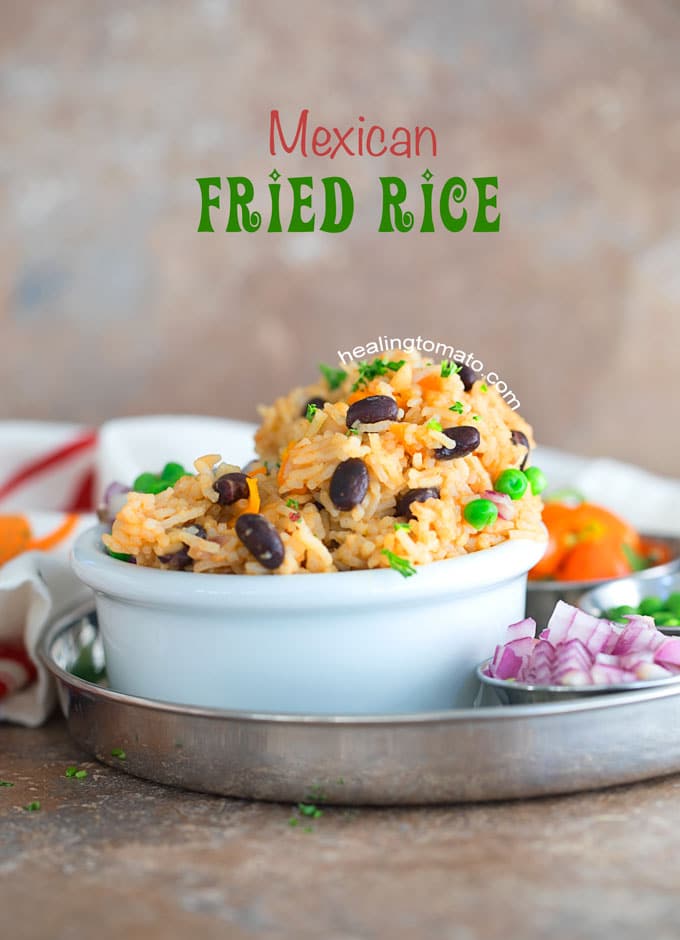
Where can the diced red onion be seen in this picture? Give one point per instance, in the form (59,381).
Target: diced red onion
(579,649)
(506,664)
(113,501)
(502,502)
(517,631)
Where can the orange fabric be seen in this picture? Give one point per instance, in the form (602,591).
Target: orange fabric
(15,536)
(46,542)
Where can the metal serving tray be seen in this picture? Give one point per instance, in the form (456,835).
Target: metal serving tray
(488,753)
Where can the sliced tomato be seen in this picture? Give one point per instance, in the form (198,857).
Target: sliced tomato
(590,560)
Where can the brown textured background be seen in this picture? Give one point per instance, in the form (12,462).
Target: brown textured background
(111,303)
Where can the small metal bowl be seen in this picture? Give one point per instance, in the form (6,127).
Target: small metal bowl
(519,693)
(630,591)
(543,595)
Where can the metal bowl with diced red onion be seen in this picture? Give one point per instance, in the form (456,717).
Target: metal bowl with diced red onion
(580,655)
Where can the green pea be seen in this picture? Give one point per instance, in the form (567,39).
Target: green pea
(623,610)
(172,472)
(650,606)
(537,479)
(610,613)
(480,513)
(512,482)
(673,603)
(149,483)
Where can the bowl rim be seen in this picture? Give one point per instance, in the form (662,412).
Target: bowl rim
(462,575)
(655,571)
(573,690)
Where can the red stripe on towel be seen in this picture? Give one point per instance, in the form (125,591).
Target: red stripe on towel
(83,498)
(40,464)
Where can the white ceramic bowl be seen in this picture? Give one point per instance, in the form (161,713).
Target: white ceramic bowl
(347,643)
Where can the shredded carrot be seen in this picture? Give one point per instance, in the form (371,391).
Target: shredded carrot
(284,460)
(257,471)
(399,430)
(253,503)
(46,542)
(430,382)
(254,496)
(285,454)
(370,389)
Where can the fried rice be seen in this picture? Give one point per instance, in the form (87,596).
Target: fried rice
(299,449)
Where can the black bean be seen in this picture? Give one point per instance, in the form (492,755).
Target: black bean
(371,410)
(181,558)
(318,403)
(468,377)
(414,496)
(467,440)
(349,483)
(261,539)
(177,560)
(521,440)
(231,487)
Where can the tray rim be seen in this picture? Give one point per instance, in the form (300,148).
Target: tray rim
(595,703)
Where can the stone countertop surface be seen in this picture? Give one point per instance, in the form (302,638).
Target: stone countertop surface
(113,856)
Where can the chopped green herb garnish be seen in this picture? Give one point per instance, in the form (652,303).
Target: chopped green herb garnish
(402,526)
(399,564)
(434,425)
(351,431)
(636,561)
(311,411)
(71,771)
(457,406)
(446,369)
(293,821)
(80,774)
(565,495)
(476,418)
(33,807)
(484,387)
(121,755)
(292,503)
(334,377)
(308,809)
(308,829)
(6,783)
(371,370)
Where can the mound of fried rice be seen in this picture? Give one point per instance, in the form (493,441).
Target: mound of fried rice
(289,483)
